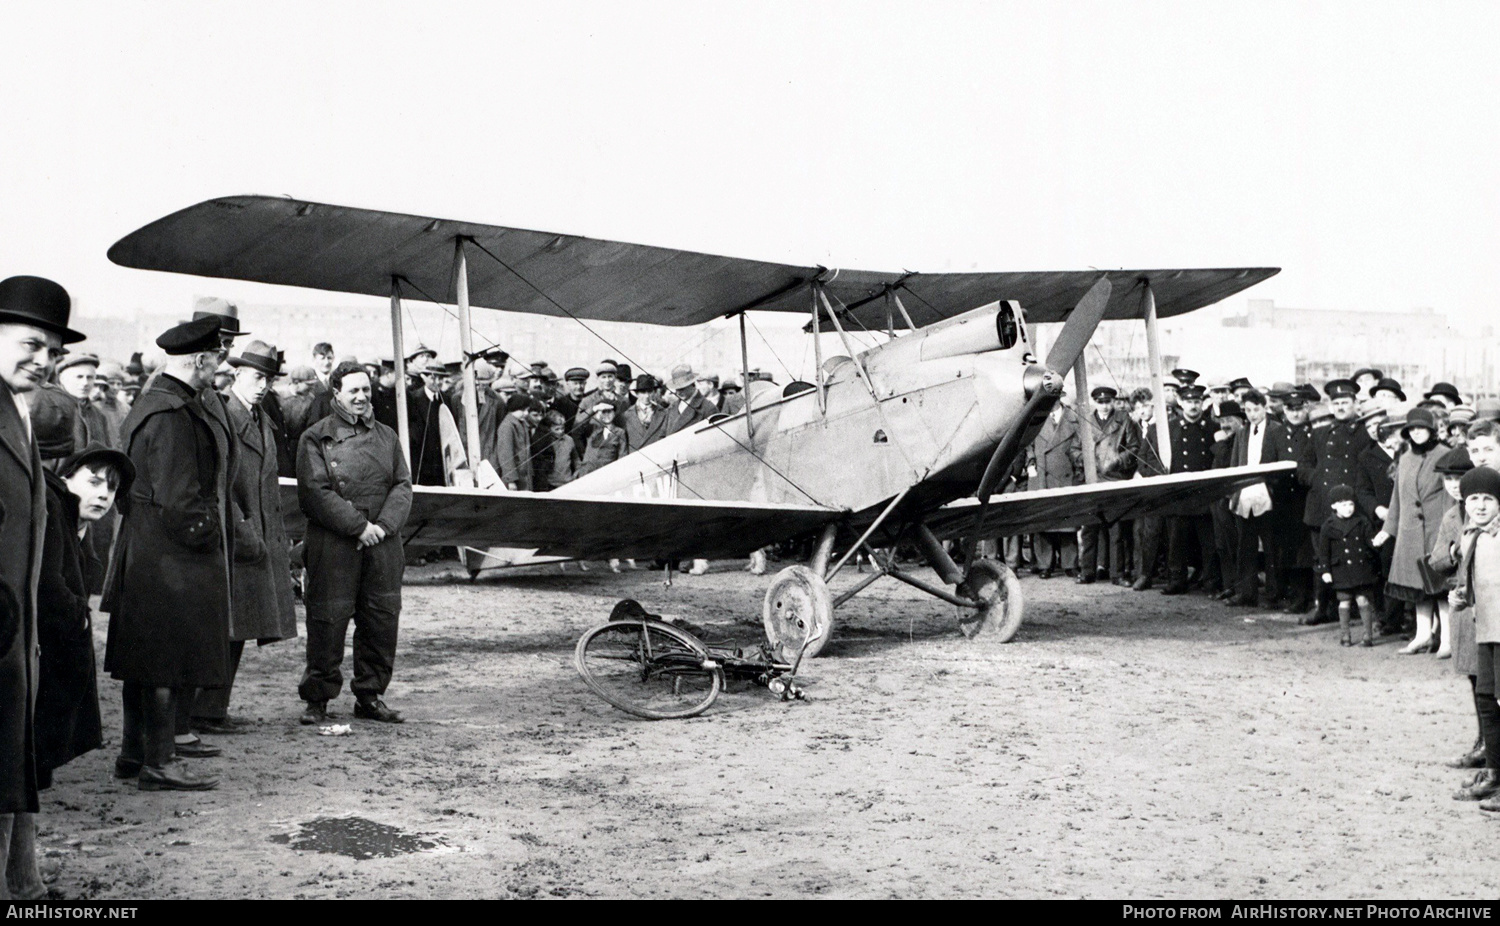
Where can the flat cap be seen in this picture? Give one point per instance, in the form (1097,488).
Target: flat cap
(77,360)
(200,334)
(577,375)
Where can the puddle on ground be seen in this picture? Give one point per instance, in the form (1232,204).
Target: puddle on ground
(356,838)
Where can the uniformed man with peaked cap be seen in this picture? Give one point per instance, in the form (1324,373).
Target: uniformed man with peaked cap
(1192,436)
(168,590)
(1329,458)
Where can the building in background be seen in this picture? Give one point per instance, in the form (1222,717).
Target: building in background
(1267,342)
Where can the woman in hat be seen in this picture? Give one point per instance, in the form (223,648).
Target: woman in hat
(1415,512)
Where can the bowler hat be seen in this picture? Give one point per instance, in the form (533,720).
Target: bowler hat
(200,334)
(98,453)
(38,302)
(1447,390)
(258,355)
(682,377)
(730,386)
(1231,409)
(645,383)
(1481,480)
(1368,371)
(1389,385)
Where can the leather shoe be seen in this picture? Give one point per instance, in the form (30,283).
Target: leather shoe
(316,712)
(1085,580)
(1121,581)
(375,709)
(1485,785)
(1045,573)
(1474,758)
(1176,588)
(174,776)
(224,726)
(127,768)
(197,749)
(1141,584)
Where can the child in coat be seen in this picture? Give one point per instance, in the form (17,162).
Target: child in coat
(1478,591)
(1349,562)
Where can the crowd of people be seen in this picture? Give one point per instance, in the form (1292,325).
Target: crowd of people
(158,490)
(1386,525)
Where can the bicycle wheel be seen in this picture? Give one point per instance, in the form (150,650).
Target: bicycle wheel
(648,668)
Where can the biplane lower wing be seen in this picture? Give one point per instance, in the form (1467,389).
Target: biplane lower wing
(1070,507)
(591,527)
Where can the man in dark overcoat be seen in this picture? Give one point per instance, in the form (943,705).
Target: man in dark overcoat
(168,589)
(686,406)
(424,406)
(1056,462)
(33,327)
(354,486)
(1293,538)
(1192,432)
(1329,458)
(1116,444)
(262,605)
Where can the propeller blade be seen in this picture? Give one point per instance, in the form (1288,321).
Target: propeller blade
(1079,327)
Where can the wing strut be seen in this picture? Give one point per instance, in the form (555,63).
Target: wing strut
(466,342)
(398,342)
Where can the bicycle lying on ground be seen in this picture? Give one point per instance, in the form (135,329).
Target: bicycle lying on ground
(657,670)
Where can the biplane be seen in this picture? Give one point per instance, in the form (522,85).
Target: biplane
(913,439)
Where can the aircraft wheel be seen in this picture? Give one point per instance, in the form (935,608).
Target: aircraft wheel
(998,619)
(798,610)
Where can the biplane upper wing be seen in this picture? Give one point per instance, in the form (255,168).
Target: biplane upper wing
(591,527)
(291,242)
(1073,506)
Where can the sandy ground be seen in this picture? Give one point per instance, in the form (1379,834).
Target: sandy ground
(1124,745)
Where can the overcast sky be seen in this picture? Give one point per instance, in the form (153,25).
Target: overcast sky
(1351,144)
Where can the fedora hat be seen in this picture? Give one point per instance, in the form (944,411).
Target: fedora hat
(40,303)
(682,377)
(229,325)
(258,355)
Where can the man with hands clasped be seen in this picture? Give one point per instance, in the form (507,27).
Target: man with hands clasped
(355,488)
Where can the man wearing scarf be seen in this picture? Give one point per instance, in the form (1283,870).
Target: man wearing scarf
(355,488)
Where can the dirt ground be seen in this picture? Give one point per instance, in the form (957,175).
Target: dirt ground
(1124,745)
